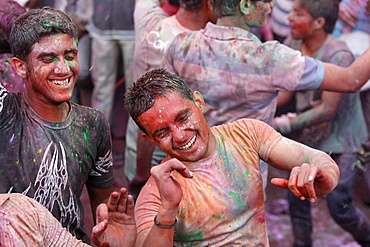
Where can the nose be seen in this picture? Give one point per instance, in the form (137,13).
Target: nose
(61,67)
(178,134)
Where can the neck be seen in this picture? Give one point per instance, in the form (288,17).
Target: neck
(192,20)
(312,44)
(233,21)
(52,113)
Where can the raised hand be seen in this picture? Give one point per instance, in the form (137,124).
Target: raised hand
(115,222)
(169,188)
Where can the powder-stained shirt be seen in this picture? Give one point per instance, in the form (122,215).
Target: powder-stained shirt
(154,32)
(52,161)
(347,130)
(25,222)
(238,75)
(223,204)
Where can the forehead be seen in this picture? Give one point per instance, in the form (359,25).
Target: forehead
(165,109)
(58,43)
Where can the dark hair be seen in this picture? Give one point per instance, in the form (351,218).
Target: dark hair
(191,5)
(328,9)
(174,2)
(9,12)
(30,27)
(227,7)
(141,95)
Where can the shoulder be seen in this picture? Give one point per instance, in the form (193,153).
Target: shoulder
(89,116)
(337,52)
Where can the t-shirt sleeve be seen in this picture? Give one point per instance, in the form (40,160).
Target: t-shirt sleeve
(101,175)
(259,135)
(293,72)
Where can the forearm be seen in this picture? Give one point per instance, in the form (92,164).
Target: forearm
(314,116)
(144,154)
(164,218)
(98,196)
(349,79)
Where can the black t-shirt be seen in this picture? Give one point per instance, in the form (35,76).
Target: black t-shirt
(51,162)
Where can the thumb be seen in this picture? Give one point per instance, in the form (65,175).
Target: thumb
(98,230)
(101,213)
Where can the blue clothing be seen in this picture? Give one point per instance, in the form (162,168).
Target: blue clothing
(363,19)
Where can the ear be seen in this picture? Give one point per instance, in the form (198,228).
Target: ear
(319,23)
(20,66)
(244,7)
(199,100)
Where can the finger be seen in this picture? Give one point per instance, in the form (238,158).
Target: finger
(113,201)
(186,172)
(121,207)
(101,213)
(130,207)
(280,182)
(309,184)
(292,183)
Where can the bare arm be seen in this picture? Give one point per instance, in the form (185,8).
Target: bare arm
(325,111)
(313,172)
(349,79)
(144,154)
(284,97)
(98,196)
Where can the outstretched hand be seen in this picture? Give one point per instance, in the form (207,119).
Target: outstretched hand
(307,182)
(115,222)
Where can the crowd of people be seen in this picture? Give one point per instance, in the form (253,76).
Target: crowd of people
(203,92)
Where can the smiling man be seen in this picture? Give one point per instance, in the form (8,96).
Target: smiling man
(51,147)
(208,190)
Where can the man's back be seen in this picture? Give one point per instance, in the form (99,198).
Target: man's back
(237,74)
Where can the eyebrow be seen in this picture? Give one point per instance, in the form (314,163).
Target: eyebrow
(179,115)
(51,54)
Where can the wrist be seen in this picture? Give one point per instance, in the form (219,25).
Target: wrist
(164,224)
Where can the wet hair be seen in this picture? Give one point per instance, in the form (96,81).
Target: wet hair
(141,95)
(9,12)
(30,27)
(191,5)
(328,9)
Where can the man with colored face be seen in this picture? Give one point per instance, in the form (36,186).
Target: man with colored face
(329,121)
(208,190)
(50,146)
(155,29)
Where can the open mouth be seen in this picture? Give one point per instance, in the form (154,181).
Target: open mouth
(63,83)
(189,144)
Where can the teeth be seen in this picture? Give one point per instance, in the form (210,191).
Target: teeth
(190,143)
(61,83)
